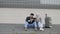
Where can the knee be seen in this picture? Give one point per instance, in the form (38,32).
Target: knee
(26,23)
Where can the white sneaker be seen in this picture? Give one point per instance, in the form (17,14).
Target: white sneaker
(41,29)
(25,29)
(50,26)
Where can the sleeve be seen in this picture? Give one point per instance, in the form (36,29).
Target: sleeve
(26,19)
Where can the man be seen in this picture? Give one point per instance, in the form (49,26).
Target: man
(39,23)
(47,21)
(30,22)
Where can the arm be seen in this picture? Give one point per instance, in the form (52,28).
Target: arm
(27,19)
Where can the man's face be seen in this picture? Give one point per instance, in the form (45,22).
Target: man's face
(31,15)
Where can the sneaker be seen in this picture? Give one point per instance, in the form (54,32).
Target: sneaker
(50,26)
(41,29)
(25,29)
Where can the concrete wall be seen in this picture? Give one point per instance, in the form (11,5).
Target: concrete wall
(52,2)
(41,4)
(17,15)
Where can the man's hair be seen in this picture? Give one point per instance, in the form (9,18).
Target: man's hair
(32,14)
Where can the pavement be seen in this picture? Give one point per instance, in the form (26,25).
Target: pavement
(19,29)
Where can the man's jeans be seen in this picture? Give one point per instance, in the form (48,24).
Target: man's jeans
(40,25)
(30,25)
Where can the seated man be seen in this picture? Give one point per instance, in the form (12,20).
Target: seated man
(30,22)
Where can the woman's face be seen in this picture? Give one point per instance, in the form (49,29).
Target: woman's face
(37,16)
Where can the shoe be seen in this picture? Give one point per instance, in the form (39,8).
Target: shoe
(35,29)
(25,29)
(47,26)
(41,29)
(50,26)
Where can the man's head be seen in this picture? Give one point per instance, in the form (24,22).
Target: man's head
(32,14)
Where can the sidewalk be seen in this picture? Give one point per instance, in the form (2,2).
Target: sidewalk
(19,29)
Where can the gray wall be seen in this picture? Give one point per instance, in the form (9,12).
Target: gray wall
(44,4)
(19,3)
(52,2)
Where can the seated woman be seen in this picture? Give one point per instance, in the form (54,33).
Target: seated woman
(39,22)
(30,22)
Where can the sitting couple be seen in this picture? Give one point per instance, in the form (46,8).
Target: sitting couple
(33,22)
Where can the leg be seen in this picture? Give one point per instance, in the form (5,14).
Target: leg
(40,25)
(47,25)
(35,25)
(26,25)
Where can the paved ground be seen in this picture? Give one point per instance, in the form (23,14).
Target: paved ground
(19,29)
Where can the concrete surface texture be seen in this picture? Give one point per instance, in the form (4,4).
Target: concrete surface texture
(18,15)
(19,29)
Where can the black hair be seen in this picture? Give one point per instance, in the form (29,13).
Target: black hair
(32,14)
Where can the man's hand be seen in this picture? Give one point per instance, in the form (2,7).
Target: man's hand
(31,20)
(28,20)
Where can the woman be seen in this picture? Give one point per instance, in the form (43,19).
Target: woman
(39,22)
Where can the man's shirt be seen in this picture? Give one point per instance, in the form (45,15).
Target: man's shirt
(28,18)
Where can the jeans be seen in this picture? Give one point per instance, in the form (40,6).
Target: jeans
(40,25)
(30,25)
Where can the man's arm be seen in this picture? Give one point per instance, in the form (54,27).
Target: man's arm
(27,19)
